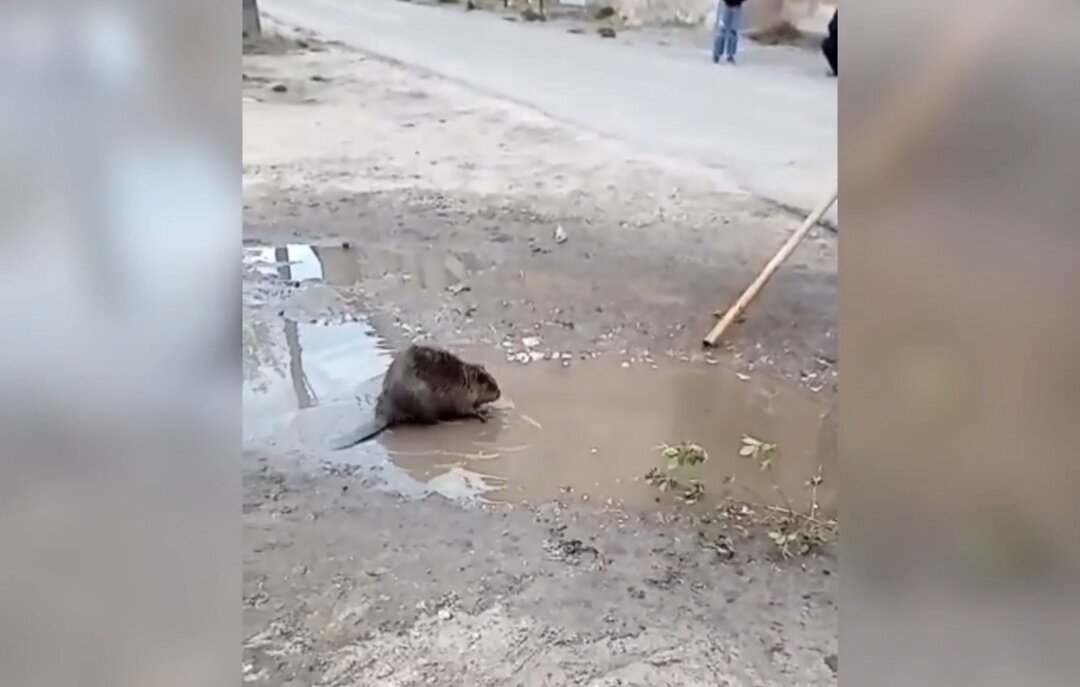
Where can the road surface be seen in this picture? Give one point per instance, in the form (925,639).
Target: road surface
(769,124)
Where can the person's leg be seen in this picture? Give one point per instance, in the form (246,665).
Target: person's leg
(828,48)
(733,20)
(720,32)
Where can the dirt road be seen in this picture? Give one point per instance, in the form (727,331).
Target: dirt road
(768,126)
(383,205)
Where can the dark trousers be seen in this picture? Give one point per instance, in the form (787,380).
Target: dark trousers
(829,47)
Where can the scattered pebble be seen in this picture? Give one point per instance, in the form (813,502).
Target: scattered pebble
(455,289)
(560,235)
(531,341)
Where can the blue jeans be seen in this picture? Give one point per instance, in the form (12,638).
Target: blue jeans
(727,32)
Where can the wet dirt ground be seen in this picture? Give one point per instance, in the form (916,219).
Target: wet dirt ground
(384,206)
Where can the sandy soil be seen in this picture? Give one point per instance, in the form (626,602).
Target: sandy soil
(431,212)
(345,586)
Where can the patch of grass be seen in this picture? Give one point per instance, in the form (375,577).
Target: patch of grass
(758,450)
(793,533)
(677,459)
(683,455)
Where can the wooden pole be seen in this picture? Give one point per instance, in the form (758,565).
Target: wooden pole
(781,255)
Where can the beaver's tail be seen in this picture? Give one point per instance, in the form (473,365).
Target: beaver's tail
(362,433)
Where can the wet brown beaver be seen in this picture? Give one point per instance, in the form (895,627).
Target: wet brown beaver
(424,385)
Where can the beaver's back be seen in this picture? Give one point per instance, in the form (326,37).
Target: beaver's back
(424,384)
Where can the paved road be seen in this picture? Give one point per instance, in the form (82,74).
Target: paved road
(770,123)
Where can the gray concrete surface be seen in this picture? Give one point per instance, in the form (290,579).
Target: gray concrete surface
(770,124)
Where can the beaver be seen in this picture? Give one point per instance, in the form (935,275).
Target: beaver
(424,385)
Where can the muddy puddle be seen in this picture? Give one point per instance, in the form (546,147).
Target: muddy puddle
(338,266)
(593,430)
(588,431)
(584,429)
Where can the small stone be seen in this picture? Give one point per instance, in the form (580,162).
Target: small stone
(560,235)
(279,88)
(456,289)
(445,614)
(531,341)
(833,662)
(606,32)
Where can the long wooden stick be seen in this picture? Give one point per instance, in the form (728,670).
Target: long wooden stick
(781,255)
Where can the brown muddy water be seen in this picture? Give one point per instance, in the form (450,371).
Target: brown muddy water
(582,429)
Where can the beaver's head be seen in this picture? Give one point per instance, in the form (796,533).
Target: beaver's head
(485,386)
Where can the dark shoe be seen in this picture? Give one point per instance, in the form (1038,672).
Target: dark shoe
(731,60)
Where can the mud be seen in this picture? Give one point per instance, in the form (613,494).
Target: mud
(592,429)
(584,423)
(384,206)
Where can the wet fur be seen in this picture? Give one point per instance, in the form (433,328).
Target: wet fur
(425,385)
